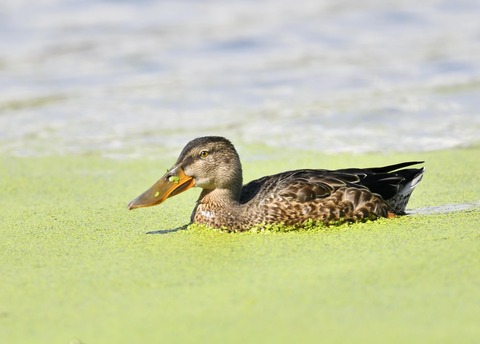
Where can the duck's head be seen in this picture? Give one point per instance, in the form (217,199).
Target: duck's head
(207,162)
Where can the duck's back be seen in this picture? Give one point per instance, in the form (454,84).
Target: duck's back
(330,195)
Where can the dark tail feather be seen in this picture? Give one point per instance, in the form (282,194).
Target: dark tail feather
(391,168)
(412,177)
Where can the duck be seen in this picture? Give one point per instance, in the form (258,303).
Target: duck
(292,198)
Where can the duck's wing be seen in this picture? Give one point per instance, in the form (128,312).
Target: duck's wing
(302,185)
(389,181)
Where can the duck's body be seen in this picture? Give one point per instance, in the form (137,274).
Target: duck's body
(325,196)
(288,198)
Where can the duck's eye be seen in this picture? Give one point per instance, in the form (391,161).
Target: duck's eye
(203,154)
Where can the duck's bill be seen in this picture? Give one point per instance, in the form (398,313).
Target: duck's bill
(172,183)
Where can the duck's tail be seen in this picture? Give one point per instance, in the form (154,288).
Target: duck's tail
(411,177)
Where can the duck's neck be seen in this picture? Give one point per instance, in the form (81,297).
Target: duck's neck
(222,197)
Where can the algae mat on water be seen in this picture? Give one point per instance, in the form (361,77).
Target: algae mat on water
(77,267)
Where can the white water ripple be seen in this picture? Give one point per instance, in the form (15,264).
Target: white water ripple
(445,209)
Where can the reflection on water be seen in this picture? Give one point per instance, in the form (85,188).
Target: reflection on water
(122,77)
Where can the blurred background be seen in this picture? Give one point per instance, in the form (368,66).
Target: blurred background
(124,78)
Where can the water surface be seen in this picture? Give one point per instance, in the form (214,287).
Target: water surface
(124,78)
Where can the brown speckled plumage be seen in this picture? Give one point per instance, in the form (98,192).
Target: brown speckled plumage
(290,198)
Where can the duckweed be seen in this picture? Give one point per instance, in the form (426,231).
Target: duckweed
(66,259)
(174,179)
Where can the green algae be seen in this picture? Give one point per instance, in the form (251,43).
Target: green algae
(307,225)
(76,266)
(174,179)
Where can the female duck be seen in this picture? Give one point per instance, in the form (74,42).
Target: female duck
(288,198)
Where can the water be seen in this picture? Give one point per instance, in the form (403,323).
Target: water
(124,78)
(445,209)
